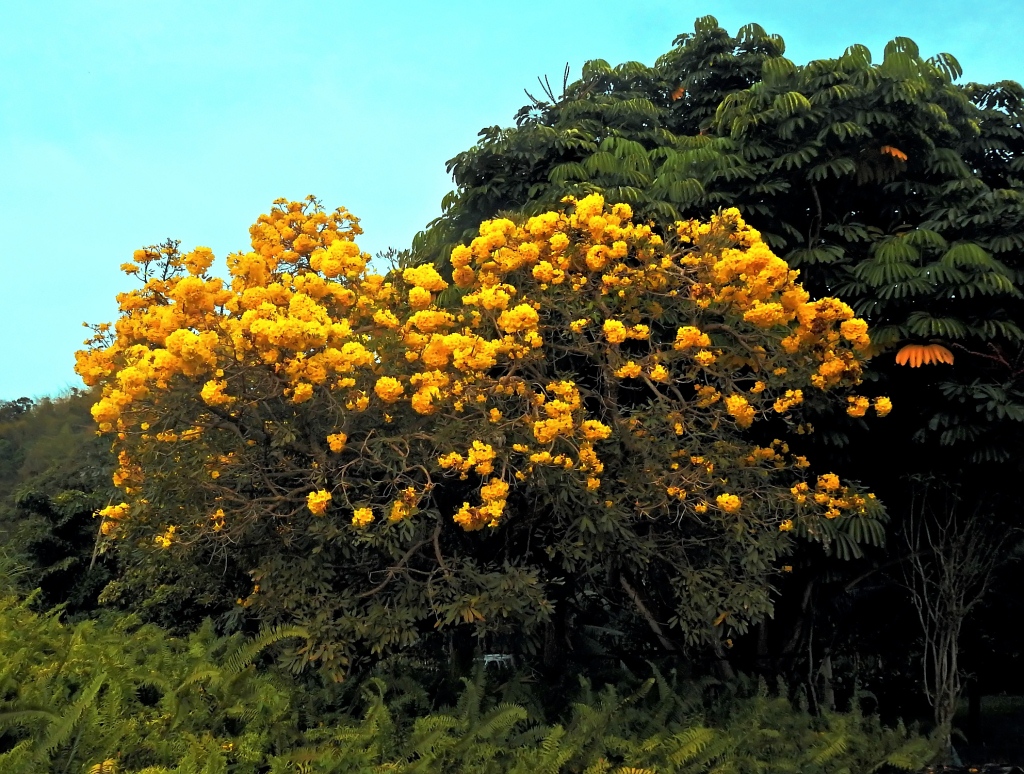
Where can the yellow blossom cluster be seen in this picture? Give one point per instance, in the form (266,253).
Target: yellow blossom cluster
(111,515)
(830,494)
(318,501)
(362,517)
(166,538)
(493,494)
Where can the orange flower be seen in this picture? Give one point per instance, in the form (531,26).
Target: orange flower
(923,354)
(896,153)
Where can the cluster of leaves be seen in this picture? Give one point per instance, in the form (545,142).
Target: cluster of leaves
(117,698)
(888,184)
(123,697)
(661,727)
(54,475)
(599,402)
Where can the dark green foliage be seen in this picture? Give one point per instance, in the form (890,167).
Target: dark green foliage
(74,696)
(132,699)
(54,474)
(661,727)
(886,183)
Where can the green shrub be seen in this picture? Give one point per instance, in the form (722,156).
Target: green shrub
(113,696)
(75,696)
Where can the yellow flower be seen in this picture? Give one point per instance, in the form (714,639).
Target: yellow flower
(303,392)
(481,458)
(543,272)
(729,503)
(546,430)
(419,298)
(399,510)
(882,406)
(317,501)
(337,441)
(786,525)
(362,517)
(858,406)
(461,256)
(704,358)
(463,276)
(165,540)
(198,261)
(614,331)
(495,489)
(388,389)
(386,319)
(628,371)
(597,257)
(213,393)
(829,482)
(688,336)
(422,400)
(787,401)
(765,315)
(521,318)
(426,277)
(118,511)
(740,410)
(659,373)
(856,332)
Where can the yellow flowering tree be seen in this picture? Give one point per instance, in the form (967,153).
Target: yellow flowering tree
(585,425)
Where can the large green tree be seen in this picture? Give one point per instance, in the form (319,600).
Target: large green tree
(890,184)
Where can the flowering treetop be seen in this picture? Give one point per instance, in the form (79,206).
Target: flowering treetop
(579,381)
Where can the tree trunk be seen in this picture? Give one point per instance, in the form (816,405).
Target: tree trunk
(828,693)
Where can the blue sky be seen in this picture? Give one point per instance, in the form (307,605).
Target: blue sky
(122,123)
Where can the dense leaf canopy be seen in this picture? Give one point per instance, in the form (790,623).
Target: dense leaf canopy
(888,184)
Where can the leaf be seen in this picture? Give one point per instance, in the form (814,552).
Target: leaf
(563,173)
(776,71)
(790,103)
(948,65)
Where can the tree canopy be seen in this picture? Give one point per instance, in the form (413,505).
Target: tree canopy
(586,423)
(888,184)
